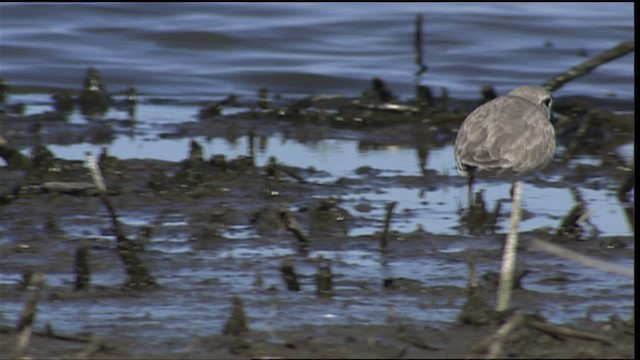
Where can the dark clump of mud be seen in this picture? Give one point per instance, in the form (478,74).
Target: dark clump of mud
(41,195)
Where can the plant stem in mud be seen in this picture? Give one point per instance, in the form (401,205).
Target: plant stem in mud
(387,223)
(138,277)
(237,323)
(324,280)
(289,275)
(292,225)
(83,272)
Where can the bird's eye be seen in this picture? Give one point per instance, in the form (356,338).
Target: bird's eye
(546,102)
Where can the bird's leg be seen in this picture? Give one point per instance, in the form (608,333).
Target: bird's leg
(470,192)
(510,250)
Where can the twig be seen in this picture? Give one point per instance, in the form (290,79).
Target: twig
(98,180)
(538,244)
(495,347)
(563,331)
(510,250)
(138,277)
(25,324)
(493,344)
(582,69)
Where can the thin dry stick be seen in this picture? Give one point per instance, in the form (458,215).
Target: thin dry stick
(138,277)
(563,331)
(96,174)
(98,179)
(496,342)
(615,52)
(509,253)
(581,259)
(25,325)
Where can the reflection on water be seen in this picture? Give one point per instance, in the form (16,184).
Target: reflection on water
(427,207)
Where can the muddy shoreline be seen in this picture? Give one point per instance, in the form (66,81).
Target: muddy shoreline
(206,199)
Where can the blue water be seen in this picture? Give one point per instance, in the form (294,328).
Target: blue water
(205,50)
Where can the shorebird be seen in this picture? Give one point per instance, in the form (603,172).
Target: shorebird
(509,136)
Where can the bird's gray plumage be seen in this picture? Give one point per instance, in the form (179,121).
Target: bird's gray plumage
(509,135)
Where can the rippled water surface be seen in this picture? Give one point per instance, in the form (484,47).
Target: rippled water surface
(203,50)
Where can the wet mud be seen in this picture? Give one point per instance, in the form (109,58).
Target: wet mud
(45,198)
